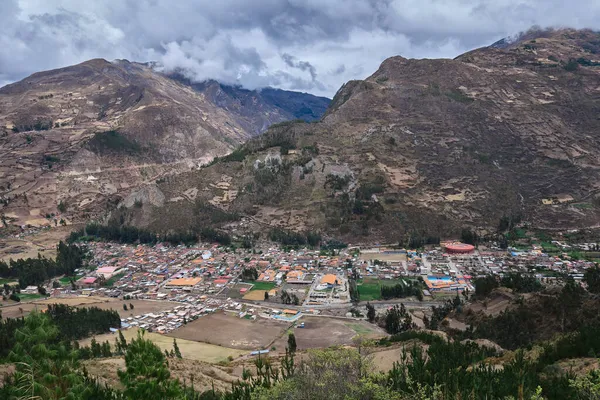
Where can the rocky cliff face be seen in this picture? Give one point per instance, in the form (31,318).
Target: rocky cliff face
(84,136)
(426,147)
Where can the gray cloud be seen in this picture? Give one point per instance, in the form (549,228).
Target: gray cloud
(281,43)
(291,61)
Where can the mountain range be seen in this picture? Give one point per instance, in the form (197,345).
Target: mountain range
(425,148)
(420,148)
(76,140)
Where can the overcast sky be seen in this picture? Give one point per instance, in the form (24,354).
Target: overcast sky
(306,45)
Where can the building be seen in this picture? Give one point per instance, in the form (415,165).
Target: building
(330,280)
(107,272)
(458,248)
(183,283)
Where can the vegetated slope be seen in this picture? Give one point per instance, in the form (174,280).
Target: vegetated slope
(424,147)
(84,135)
(256,110)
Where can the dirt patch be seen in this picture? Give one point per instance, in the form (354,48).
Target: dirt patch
(189,349)
(320,332)
(393,257)
(139,306)
(76,301)
(230,331)
(20,310)
(258,295)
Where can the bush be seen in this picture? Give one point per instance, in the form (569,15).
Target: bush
(571,66)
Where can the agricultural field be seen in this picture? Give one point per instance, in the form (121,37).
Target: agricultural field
(11,309)
(139,306)
(29,246)
(319,332)
(256,295)
(234,292)
(230,331)
(191,350)
(396,257)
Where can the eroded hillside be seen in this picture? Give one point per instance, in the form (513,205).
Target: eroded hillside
(76,140)
(425,146)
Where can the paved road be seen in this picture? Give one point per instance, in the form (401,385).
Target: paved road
(377,304)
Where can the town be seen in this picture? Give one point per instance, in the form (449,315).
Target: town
(270,283)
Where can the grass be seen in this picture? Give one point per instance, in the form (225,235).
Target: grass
(263,285)
(110,282)
(369,291)
(8,281)
(549,247)
(65,280)
(392,282)
(584,206)
(27,296)
(360,329)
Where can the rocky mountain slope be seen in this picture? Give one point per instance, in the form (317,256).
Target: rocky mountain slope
(421,147)
(75,141)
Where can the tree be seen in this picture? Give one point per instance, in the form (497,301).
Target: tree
(130,306)
(125,307)
(266,296)
(147,375)
(371,313)
(398,320)
(176,349)
(485,285)
(592,279)
(292,343)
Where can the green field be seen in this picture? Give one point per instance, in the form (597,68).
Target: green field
(549,247)
(360,329)
(262,285)
(110,282)
(65,280)
(392,282)
(26,296)
(369,290)
(9,281)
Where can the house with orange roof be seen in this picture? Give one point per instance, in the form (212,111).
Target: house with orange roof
(183,283)
(267,276)
(330,280)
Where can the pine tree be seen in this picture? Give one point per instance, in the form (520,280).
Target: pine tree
(122,341)
(176,349)
(292,343)
(371,313)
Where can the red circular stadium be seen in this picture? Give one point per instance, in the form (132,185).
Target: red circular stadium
(459,248)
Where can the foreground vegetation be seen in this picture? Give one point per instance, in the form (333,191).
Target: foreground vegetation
(46,365)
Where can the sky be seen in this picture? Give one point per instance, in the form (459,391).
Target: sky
(305,45)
